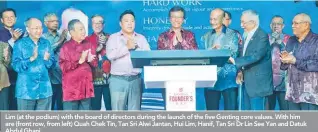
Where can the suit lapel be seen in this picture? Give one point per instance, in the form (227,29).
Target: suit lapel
(251,41)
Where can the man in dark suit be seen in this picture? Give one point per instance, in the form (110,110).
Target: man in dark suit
(255,63)
(10,35)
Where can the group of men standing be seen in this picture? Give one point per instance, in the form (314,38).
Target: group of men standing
(75,74)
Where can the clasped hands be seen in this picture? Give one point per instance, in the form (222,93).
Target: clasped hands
(36,54)
(86,54)
(287,58)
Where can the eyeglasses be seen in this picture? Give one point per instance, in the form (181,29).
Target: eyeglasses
(277,24)
(297,23)
(98,23)
(177,17)
(215,19)
(36,28)
(244,23)
(53,21)
(6,18)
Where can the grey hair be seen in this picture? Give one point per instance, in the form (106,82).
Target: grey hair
(27,21)
(221,10)
(306,17)
(71,24)
(48,15)
(97,15)
(252,16)
(278,16)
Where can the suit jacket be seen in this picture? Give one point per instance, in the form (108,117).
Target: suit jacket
(256,65)
(4,65)
(5,36)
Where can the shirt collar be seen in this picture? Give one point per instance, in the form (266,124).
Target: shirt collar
(95,35)
(75,42)
(122,33)
(5,29)
(30,40)
(171,30)
(308,36)
(8,29)
(250,33)
(50,34)
(223,29)
(253,30)
(282,35)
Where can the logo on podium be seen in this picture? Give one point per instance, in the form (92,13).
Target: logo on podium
(181,96)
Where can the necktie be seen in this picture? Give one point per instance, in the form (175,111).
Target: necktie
(245,43)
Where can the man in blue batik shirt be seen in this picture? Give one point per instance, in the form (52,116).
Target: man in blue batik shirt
(32,57)
(222,37)
(56,40)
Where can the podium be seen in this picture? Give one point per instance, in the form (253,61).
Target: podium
(180,72)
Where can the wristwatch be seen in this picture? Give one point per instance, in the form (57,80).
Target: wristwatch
(134,48)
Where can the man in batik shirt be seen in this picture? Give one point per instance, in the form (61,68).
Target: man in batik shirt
(278,42)
(301,62)
(56,40)
(222,37)
(176,38)
(100,73)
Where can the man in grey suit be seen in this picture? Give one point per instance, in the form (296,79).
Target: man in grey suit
(255,63)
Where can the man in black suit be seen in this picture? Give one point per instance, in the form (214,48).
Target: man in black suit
(255,63)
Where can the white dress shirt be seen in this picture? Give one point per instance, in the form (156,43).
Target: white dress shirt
(247,38)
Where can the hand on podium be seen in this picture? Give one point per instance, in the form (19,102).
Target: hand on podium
(231,60)
(216,46)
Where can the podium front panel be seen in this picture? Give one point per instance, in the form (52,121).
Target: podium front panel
(156,76)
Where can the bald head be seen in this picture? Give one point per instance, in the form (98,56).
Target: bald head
(218,12)
(34,28)
(216,18)
(32,20)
